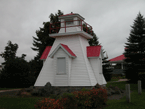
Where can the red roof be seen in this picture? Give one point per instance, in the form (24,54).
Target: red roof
(46,52)
(67,14)
(118,58)
(68,50)
(93,51)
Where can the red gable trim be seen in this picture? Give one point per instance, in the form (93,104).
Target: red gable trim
(93,51)
(68,49)
(46,52)
(118,58)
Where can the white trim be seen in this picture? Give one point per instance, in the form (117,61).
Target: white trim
(101,52)
(57,48)
(92,57)
(74,15)
(82,33)
(85,61)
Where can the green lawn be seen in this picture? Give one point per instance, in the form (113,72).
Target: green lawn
(137,101)
(122,84)
(114,79)
(18,102)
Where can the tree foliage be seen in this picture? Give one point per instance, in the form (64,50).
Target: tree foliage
(106,67)
(135,49)
(42,40)
(16,69)
(10,51)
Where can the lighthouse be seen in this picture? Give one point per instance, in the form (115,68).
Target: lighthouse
(70,61)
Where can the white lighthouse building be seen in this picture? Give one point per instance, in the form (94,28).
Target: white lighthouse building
(71,61)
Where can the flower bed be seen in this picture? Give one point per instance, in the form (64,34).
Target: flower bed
(94,98)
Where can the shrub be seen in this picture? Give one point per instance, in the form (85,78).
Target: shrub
(98,97)
(48,103)
(84,89)
(91,99)
(20,92)
(94,98)
(25,94)
(83,99)
(68,101)
(53,96)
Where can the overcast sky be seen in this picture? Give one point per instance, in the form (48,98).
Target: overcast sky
(110,19)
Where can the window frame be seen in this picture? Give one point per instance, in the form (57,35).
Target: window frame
(69,22)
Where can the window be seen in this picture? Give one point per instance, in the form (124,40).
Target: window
(69,21)
(61,65)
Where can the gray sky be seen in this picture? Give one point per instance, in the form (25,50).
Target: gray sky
(110,19)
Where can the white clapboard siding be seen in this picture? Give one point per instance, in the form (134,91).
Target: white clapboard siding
(91,74)
(78,75)
(80,72)
(95,66)
(71,29)
(46,74)
(101,71)
(61,80)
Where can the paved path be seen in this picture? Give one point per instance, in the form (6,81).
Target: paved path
(123,80)
(119,80)
(9,90)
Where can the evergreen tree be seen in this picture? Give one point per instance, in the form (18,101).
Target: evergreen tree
(94,41)
(42,40)
(135,49)
(106,67)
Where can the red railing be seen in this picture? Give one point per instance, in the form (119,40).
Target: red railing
(54,28)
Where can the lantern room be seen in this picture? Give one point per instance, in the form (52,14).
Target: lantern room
(70,24)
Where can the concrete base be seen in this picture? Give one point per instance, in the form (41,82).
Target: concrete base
(71,87)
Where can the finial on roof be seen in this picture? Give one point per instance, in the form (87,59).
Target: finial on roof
(71,12)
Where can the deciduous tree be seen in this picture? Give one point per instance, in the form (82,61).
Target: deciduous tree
(16,69)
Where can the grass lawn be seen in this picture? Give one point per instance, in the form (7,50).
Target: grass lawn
(137,101)
(18,102)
